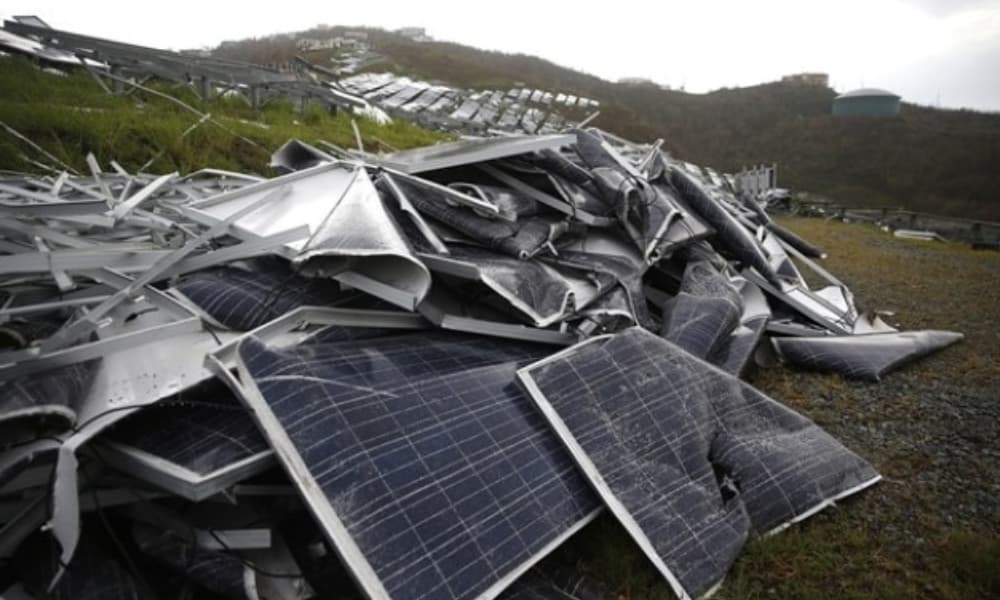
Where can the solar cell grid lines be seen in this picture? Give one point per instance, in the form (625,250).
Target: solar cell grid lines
(435,466)
(690,459)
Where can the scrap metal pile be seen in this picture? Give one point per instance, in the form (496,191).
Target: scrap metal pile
(406,376)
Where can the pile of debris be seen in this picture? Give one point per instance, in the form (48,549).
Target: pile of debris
(406,376)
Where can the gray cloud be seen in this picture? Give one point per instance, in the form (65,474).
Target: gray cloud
(945,8)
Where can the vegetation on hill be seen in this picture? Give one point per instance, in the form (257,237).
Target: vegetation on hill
(939,161)
(71,115)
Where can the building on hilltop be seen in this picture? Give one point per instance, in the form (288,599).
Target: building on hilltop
(818,79)
(417,34)
(636,81)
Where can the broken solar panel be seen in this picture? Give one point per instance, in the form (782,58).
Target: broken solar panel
(865,356)
(732,234)
(705,311)
(421,458)
(352,236)
(194,445)
(261,291)
(48,400)
(690,459)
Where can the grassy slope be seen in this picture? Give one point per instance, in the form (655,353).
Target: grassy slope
(918,533)
(71,116)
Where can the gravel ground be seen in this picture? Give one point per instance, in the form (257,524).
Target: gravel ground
(931,528)
(932,428)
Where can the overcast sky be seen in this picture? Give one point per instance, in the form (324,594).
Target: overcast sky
(931,52)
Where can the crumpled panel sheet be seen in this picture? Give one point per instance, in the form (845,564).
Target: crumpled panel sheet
(49,399)
(520,239)
(691,459)
(359,237)
(511,205)
(437,469)
(246,298)
(643,211)
(732,235)
(733,356)
(536,290)
(626,296)
(864,356)
(703,314)
(352,235)
(710,318)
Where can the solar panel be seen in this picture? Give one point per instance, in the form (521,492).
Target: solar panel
(195,446)
(731,233)
(244,299)
(423,461)
(733,356)
(464,112)
(867,356)
(445,101)
(50,396)
(536,290)
(405,95)
(690,459)
(646,210)
(352,237)
(703,314)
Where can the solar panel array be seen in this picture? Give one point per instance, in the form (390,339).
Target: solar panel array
(689,458)
(442,474)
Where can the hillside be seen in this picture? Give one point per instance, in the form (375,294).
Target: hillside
(941,161)
(70,115)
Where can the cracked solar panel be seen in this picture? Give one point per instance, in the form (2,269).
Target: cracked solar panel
(703,314)
(690,459)
(246,298)
(195,445)
(424,462)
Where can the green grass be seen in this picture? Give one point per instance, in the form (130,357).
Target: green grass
(71,116)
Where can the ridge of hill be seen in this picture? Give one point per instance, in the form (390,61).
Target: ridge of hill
(928,159)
